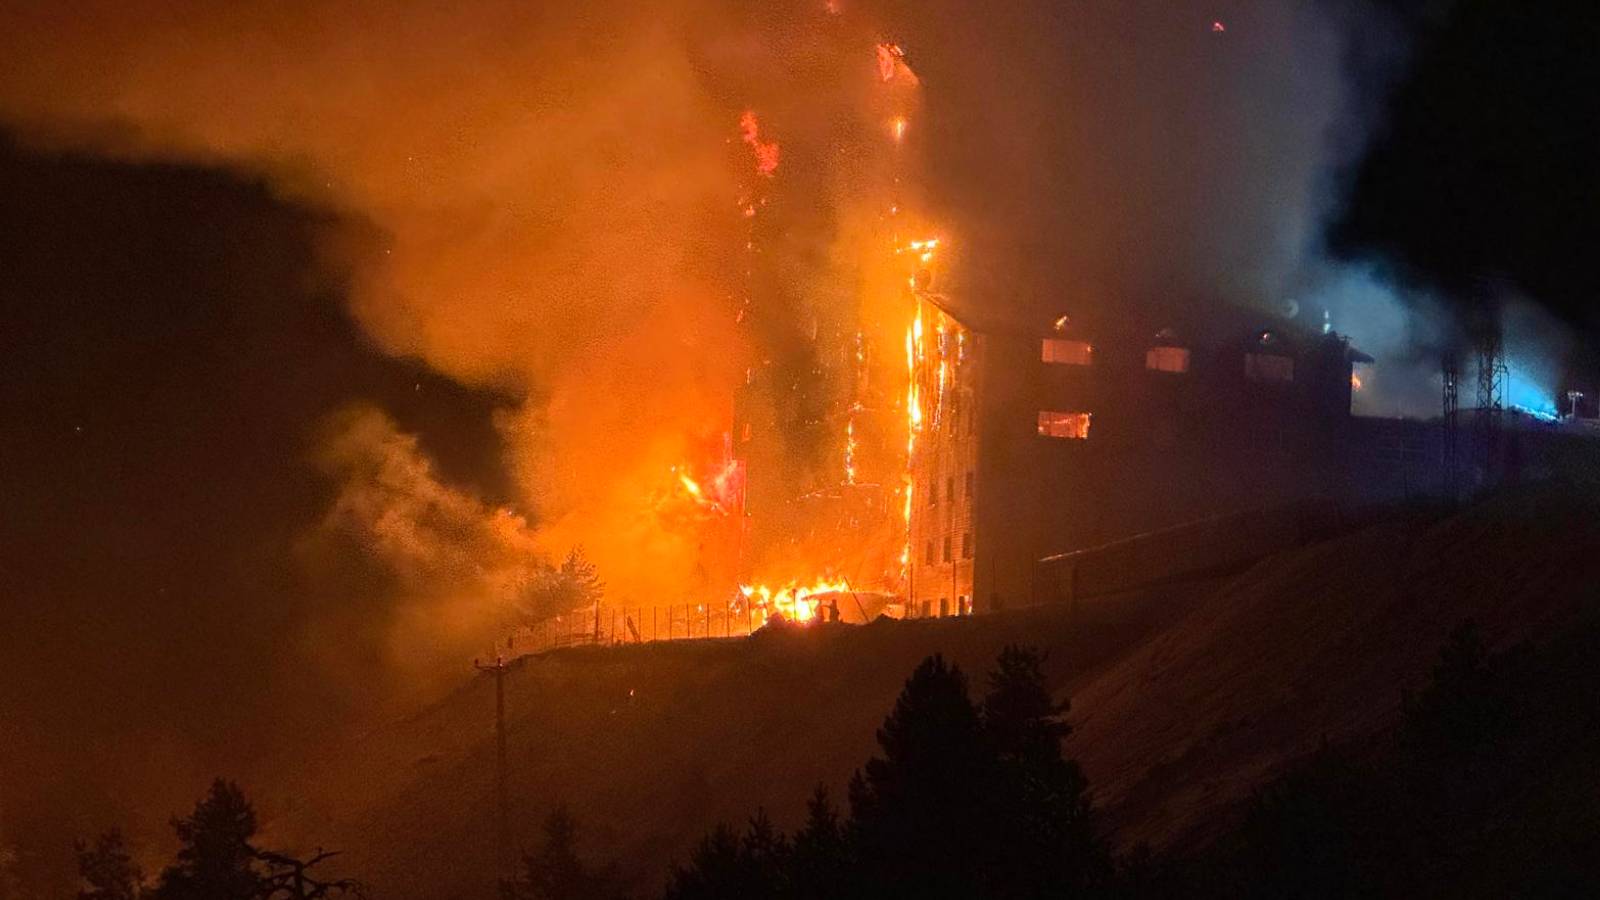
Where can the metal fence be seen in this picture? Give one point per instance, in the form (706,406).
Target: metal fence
(608,625)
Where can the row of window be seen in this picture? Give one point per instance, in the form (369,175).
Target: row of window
(963,607)
(1257,366)
(966,549)
(932,491)
(1066,352)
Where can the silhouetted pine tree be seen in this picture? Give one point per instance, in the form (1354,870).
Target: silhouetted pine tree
(107,871)
(1044,840)
(556,872)
(728,866)
(216,860)
(918,818)
(819,861)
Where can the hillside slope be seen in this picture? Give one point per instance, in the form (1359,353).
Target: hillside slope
(1184,699)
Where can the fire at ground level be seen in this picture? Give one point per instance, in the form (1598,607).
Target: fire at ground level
(1053,464)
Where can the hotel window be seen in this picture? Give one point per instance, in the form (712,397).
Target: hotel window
(970,482)
(1064,351)
(933,491)
(947,548)
(924,609)
(1070,425)
(1167,359)
(966,545)
(950,489)
(1268,367)
(927,555)
(964,605)
(944,607)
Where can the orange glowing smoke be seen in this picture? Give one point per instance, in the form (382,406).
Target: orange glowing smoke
(766,151)
(720,494)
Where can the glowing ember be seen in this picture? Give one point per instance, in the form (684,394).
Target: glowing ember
(766,151)
(1218,27)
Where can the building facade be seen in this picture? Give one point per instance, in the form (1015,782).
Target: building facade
(1040,441)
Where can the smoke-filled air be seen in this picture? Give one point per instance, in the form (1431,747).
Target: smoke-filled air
(354,344)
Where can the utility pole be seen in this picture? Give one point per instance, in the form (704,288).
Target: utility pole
(502,803)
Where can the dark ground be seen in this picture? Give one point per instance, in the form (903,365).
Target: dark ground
(1185,701)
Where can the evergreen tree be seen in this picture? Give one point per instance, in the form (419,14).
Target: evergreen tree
(556,590)
(1044,837)
(216,860)
(729,866)
(556,872)
(918,816)
(107,871)
(819,861)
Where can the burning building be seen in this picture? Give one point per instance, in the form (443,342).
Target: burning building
(1042,438)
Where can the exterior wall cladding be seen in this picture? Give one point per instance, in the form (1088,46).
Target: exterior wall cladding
(1049,443)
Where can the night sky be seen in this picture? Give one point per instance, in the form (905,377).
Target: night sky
(172,338)
(1485,158)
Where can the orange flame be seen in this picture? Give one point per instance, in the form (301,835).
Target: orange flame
(795,602)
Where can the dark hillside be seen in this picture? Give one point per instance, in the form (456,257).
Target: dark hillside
(1185,701)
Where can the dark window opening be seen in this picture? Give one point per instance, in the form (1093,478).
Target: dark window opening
(950,488)
(1268,367)
(970,482)
(927,556)
(944,606)
(947,548)
(966,545)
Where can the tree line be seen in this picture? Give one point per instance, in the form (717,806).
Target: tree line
(1469,795)
(217,859)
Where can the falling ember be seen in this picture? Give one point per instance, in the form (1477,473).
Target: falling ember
(897,125)
(1218,27)
(766,151)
